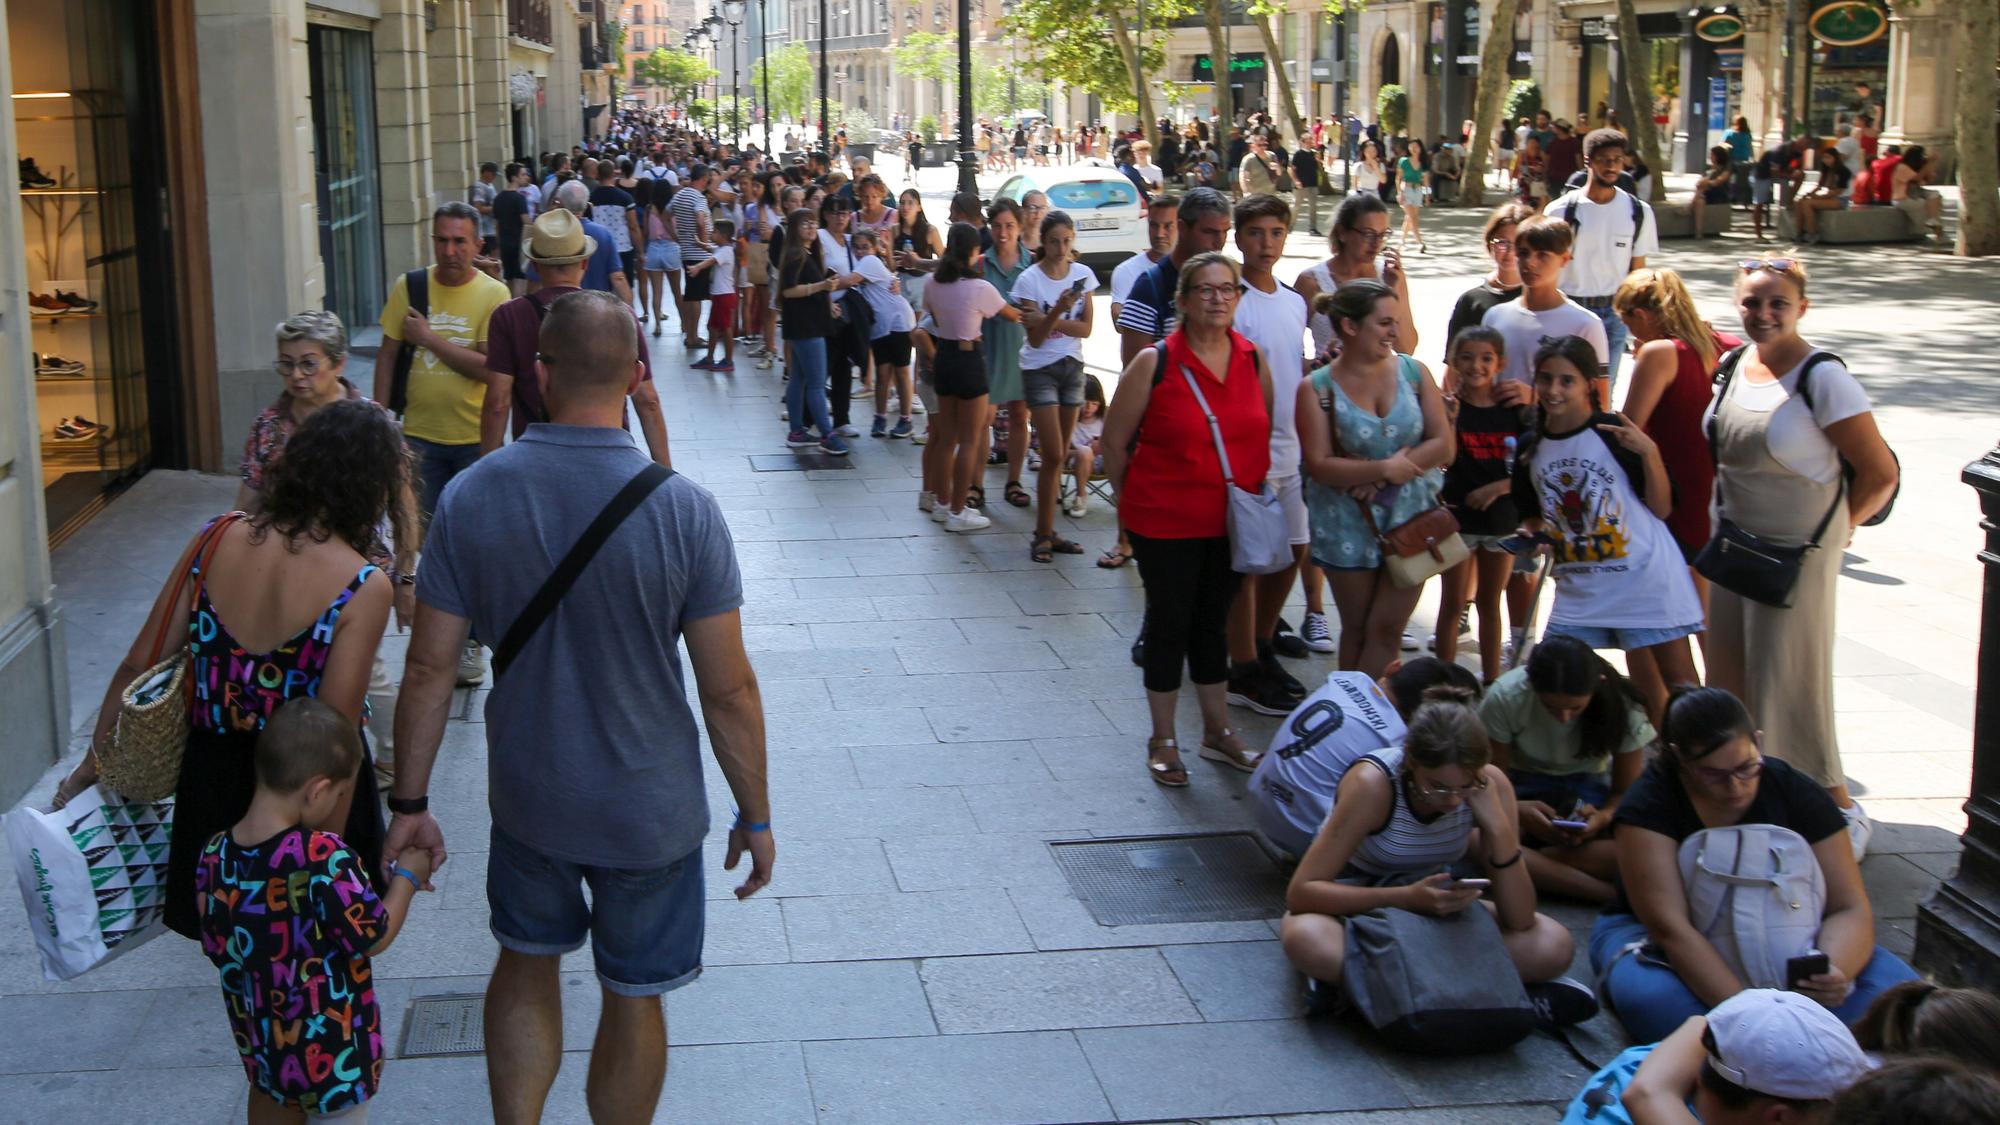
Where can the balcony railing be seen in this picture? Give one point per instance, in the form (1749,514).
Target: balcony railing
(529,19)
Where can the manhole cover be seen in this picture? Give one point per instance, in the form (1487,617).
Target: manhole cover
(444,1025)
(1137,880)
(797,462)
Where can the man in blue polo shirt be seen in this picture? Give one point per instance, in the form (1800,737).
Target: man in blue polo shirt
(1147,314)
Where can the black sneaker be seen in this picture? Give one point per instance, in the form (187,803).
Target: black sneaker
(1275,672)
(1251,686)
(1561,1002)
(1321,998)
(1289,644)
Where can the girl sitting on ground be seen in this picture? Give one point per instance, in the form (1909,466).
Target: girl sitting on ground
(1571,734)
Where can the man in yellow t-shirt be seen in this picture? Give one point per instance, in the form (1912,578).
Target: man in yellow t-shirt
(448,373)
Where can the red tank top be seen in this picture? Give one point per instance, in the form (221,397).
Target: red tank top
(1675,426)
(1174,489)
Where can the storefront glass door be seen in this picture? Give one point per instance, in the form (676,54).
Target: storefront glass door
(350,215)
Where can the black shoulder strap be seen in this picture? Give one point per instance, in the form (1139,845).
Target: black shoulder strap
(1725,372)
(1159,362)
(417,293)
(1804,389)
(571,565)
(1569,212)
(1638,216)
(417,284)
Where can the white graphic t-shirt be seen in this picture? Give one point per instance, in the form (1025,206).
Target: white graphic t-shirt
(1616,564)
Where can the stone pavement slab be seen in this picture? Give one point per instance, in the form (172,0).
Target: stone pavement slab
(1008,1079)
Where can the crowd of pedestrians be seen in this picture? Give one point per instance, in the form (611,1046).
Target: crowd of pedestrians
(1403,782)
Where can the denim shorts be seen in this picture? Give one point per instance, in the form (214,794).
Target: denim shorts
(1058,384)
(1597,636)
(662,255)
(644,926)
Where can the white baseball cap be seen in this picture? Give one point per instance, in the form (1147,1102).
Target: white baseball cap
(1784,1045)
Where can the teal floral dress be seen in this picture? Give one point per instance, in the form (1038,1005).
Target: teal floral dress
(1003,337)
(1341,539)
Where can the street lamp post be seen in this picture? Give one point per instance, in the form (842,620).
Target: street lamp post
(1014,61)
(764,55)
(713,26)
(968,159)
(691,43)
(732,12)
(822,77)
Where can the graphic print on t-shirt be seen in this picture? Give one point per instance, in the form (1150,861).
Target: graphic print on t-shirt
(1582,505)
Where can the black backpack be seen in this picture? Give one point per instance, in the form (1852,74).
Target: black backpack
(1725,369)
(1638,215)
(417,286)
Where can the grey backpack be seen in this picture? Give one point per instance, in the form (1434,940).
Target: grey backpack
(1756,892)
(1435,986)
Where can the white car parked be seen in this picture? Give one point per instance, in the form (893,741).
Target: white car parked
(1109,212)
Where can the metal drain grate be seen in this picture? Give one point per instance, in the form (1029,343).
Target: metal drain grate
(797,462)
(444,1025)
(1138,880)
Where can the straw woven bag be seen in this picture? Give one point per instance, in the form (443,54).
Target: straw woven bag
(141,758)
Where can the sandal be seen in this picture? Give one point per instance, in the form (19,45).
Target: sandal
(1216,749)
(1063,546)
(975,496)
(1017,495)
(1042,550)
(1116,557)
(1172,774)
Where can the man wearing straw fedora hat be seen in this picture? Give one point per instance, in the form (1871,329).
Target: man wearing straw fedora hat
(560,251)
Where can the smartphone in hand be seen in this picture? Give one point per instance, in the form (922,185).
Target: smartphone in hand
(1803,966)
(1571,825)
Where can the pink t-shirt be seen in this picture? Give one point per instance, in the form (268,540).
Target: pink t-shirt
(961,307)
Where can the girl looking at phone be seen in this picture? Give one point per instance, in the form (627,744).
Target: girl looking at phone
(1054,295)
(1571,734)
(1401,813)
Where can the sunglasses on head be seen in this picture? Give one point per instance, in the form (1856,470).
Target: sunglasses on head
(1775,265)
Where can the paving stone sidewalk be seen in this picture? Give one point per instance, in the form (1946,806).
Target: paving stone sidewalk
(939,709)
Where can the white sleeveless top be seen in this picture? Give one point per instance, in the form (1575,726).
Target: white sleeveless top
(1320,324)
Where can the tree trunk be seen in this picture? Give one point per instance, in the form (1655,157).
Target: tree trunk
(1496,50)
(1978,184)
(1135,66)
(1263,22)
(1635,62)
(1215,11)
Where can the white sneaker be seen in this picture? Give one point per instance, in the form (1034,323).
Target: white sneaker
(941,512)
(926,502)
(1860,829)
(1079,507)
(847,431)
(1317,634)
(471,665)
(1409,641)
(967,520)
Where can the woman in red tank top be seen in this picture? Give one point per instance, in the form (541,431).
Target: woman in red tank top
(1672,382)
(1173,501)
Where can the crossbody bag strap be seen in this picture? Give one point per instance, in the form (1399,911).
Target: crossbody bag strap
(565,574)
(187,584)
(1333,437)
(1214,427)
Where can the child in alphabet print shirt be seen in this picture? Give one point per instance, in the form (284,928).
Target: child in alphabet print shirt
(290,918)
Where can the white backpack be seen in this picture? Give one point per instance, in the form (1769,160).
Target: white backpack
(1757,893)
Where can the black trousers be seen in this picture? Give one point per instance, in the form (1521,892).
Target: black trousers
(1189,586)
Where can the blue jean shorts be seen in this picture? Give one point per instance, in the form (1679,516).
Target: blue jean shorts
(644,926)
(663,254)
(1597,636)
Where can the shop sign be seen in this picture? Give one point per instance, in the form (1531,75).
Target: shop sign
(1722,28)
(1848,23)
(1204,67)
(1718,103)
(1322,70)
(1596,28)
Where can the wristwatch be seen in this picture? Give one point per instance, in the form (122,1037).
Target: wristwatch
(409,806)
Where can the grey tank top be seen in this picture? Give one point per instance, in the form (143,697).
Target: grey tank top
(1406,844)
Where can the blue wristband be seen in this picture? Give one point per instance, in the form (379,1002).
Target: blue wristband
(759,826)
(410,875)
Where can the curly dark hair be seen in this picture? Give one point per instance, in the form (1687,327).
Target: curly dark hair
(338,475)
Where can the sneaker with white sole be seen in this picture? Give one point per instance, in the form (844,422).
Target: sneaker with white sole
(942,512)
(902,428)
(849,430)
(833,446)
(471,664)
(926,502)
(1561,1002)
(1409,641)
(968,520)
(1860,829)
(799,439)
(1317,634)
(1079,507)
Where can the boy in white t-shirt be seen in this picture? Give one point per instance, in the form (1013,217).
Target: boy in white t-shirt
(1272,316)
(1541,312)
(722,300)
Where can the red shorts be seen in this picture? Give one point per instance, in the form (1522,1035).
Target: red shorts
(722,314)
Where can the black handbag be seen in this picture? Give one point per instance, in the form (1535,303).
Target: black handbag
(1742,562)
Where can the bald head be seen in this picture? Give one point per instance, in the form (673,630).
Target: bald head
(589,348)
(574,197)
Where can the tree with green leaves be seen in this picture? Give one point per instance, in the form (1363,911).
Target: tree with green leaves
(673,71)
(1496,49)
(1261,12)
(791,81)
(1978,192)
(1070,48)
(1643,134)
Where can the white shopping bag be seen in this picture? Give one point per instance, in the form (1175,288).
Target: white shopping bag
(93,875)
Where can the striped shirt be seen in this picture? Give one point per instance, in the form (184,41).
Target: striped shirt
(1406,845)
(686,209)
(1149,307)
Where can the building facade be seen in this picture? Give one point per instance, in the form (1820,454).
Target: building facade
(169,219)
